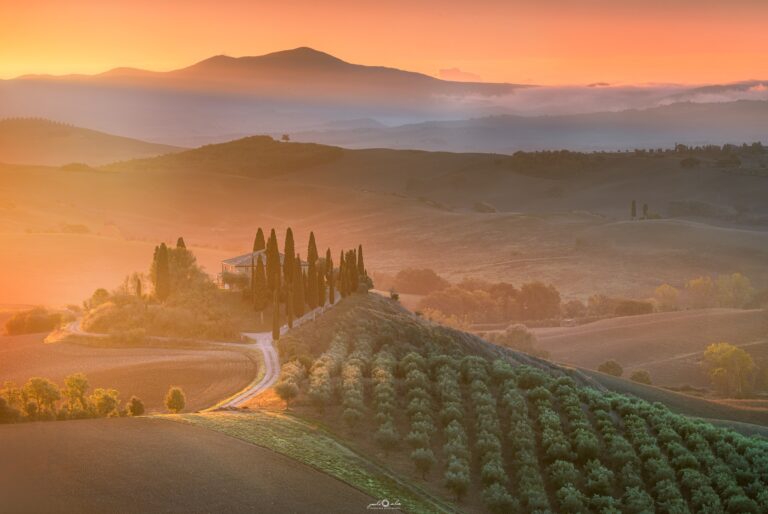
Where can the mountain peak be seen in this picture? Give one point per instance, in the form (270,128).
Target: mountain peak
(298,57)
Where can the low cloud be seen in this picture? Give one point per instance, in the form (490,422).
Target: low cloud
(458,75)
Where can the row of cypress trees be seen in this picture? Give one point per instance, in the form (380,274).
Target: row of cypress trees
(294,289)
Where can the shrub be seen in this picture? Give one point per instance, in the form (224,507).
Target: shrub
(424,459)
(175,400)
(498,500)
(419,281)
(611,367)
(387,437)
(287,391)
(7,413)
(641,376)
(105,402)
(135,406)
(32,321)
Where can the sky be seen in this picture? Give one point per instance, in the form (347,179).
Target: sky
(554,42)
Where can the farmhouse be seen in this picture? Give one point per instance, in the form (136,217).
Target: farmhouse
(237,270)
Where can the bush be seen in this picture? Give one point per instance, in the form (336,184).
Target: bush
(424,459)
(641,376)
(419,281)
(32,321)
(498,500)
(135,406)
(287,391)
(611,367)
(175,400)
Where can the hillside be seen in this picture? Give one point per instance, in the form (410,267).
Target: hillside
(668,345)
(256,157)
(497,431)
(653,127)
(560,218)
(44,142)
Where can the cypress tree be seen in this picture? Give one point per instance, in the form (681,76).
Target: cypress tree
(180,243)
(289,307)
(351,268)
(321,288)
(289,251)
(162,274)
(258,243)
(342,276)
(138,286)
(299,299)
(360,263)
(312,249)
(260,293)
(276,315)
(312,285)
(633,209)
(273,263)
(329,278)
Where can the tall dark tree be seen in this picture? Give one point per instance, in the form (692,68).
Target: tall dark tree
(259,243)
(276,315)
(260,291)
(312,249)
(289,251)
(360,263)
(329,278)
(299,293)
(321,289)
(645,211)
(350,268)
(289,307)
(138,286)
(162,273)
(343,289)
(633,210)
(312,285)
(180,243)
(273,263)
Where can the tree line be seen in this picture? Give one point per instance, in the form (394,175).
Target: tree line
(293,287)
(40,399)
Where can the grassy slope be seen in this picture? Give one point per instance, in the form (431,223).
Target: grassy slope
(37,141)
(313,446)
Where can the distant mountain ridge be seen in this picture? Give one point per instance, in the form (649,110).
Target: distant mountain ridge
(298,71)
(315,96)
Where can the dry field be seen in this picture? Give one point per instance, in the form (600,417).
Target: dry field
(156,466)
(206,376)
(668,345)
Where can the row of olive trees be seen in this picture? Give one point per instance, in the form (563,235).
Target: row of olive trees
(325,367)
(40,399)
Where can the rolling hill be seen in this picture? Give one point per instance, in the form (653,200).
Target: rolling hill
(44,142)
(655,127)
(560,219)
(669,345)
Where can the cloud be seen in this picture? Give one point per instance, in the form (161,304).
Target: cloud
(458,75)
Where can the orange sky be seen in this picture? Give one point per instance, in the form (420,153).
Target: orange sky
(542,41)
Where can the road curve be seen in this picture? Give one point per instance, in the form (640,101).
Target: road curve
(263,342)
